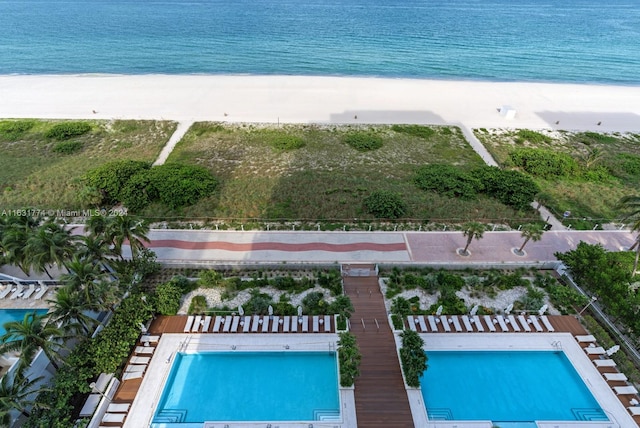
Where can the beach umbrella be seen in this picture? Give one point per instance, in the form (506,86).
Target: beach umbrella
(270,310)
(439,310)
(474,310)
(613,350)
(299,311)
(509,309)
(240,310)
(543,309)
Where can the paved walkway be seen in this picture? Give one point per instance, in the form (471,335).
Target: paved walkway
(181,129)
(437,248)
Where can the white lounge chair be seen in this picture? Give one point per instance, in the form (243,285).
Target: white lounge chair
(432,323)
(5,291)
(327,323)
(118,407)
(135,368)
(294,324)
(615,377)
(634,410)
(139,360)
(594,350)
(467,324)
(265,324)
(206,324)
(144,350)
(445,323)
(456,323)
(625,390)
(547,323)
(29,291)
(217,323)
(524,323)
(535,323)
(234,324)
(196,324)
(131,375)
(422,324)
(489,322)
(604,363)
(114,417)
(478,323)
(39,293)
(188,324)
(247,324)
(585,339)
(316,325)
(275,325)
(286,321)
(18,292)
(305,324)
(503,325)
(514,323)
(227,324)
(146,338)
(412,324)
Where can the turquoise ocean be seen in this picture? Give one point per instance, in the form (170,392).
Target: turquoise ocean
(584,41)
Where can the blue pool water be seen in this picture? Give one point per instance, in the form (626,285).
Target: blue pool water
(7,315)
(505,386)
(531,40)
(250,386)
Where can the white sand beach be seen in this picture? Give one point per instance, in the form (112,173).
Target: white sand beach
(308,99)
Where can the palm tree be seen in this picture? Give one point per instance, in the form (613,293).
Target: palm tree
(95,248)
(84,275)
(472,230)
(16,393)
(50,244)
(69,310)
(127,228)
(529,232)
(13,236)
(28,335)
(631,204)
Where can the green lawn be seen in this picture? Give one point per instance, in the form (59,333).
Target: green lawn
(323,178)
(32,174)
(595,200)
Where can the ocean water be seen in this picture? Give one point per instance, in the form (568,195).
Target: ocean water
(526,40)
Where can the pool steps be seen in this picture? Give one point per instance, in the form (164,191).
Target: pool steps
(264,324)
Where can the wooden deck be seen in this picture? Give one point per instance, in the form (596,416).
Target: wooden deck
(380,394)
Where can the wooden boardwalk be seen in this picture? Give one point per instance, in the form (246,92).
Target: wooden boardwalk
(380,394)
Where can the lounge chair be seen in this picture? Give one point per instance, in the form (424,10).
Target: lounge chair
(615,377)
(135,368)
(316,325)
(144,350)
(39,293)
(217,323)
(503,325)
(286,321)
(625,390)
(275,325)
(5,291)
(594,350)
(327,324)
(411,322)
(18,292)
(118,407)
(478,323)
(456,323)
(445,323)
(467,324)
(227,324)
(294,324)
(514,323)
(131,375)
(196,324)
(30,291)
(146,338)
(422,324)
(206,324)
(585,339)
(634,410)
(489,322)
(265,324)
(547,324)
(305,324)
(188,324)
(524,323)
(604,363)
(234,324)
(432,323)
(535,323)
(114,417)
(139,360)
(246,324)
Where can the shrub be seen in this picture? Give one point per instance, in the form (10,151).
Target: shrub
(385,204)
(412,357)
(314,304)
(137,193)
(111,178)
(349,358)
(512,188)
(198,304)
(331,280)
(181,185)
(589,138)
(66,130)
(284,142)
(14,129)
(363,141)
(168,297)
(544,163)
(210,279)
(447,180)
(67,147)
(415,130)
(532,136)
(627,163)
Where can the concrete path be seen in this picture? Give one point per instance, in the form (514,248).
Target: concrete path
(181,129)
(437,248)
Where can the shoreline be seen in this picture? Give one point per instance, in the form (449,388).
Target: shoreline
(322,100)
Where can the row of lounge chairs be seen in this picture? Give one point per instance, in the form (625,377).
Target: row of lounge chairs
(16,291)
(477,323)
(258,324)
(139,362)
(116,414)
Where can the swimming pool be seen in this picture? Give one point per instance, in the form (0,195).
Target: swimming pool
(250,386)
(510,388)
(8,315)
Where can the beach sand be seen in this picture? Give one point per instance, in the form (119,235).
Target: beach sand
(307,99)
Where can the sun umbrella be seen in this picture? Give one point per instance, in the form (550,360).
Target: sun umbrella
(613,350)
(299,311)
(240,310)
(543,309)
(439,310)
(508,309)
(474,310)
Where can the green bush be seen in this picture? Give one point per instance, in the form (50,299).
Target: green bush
(544,163)
(111,178)
(415,130)
(628,163)
(331,280)
(412,357)
(198,304)
(179,185)
(283,142)
(349,358)
(447,180)
(66,130)
(67,147)
(314,303)
(168,297)
(385,204)
(14,129)
(363,141)
(589,138)
(210,279)
(512,188)
(532,137)
(138,192)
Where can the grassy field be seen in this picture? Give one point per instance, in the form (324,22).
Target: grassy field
(321,177)
(33,174)
(593,200)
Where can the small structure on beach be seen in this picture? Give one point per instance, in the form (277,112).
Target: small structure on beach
(507,112)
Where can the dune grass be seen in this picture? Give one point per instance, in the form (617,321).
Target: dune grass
(34,174)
